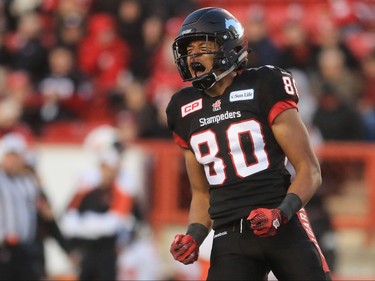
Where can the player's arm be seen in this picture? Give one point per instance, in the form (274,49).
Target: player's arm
(199,188)
(185,247)
(292,136)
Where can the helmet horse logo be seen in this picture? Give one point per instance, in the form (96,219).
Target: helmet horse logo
(236,27)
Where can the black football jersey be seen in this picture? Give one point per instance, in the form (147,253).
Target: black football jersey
(231,137)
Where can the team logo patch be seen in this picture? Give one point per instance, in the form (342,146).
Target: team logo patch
(216,106)
(191,107)
(247,94)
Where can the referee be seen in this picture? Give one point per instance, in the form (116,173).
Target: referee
(22,209)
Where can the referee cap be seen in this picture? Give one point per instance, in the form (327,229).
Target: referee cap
(13,143)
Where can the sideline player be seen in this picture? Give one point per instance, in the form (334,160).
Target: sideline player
(236,127)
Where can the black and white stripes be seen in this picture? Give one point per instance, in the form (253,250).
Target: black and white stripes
(18,207)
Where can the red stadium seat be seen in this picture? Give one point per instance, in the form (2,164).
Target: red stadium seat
(68,131)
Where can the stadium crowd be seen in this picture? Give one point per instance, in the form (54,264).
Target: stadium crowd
(71,67)
(86,61)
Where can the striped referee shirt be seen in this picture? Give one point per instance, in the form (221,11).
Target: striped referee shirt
(18,209)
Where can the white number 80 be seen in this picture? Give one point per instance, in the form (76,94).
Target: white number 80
(214,166)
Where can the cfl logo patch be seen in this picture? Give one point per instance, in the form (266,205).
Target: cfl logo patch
(191,107)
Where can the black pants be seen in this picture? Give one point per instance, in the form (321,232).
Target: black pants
(292,254)
(18,263)
(99,264)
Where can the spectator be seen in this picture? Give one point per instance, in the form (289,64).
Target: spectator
(367,101)
(168,9)
(98,213)
(103,54)
(18,99)
(164,80)
(263,49)
(69,19)
(25,214)
(144,54)
(297,50)
(133,97)
(15,92)
(20,7)
(10,113)
(25,47)
(18,86)
(130,21)
(4,52)
(329,36)
(64,92)
(307,103)
(5,21)
(109,6)
(3,75)
(335,119)
(332,71)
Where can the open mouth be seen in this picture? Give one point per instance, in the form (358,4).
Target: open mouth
(198,68)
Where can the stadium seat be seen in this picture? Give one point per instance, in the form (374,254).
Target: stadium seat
(68,131)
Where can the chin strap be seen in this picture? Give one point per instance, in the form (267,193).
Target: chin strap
(210,79)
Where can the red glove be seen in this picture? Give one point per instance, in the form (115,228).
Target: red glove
(266,222)
(184,249)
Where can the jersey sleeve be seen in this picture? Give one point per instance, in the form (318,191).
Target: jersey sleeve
(174,122)
(279,92)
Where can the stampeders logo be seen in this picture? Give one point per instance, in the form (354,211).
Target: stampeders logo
(191,107)
(219,118)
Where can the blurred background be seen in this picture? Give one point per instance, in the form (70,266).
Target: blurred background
(81,77)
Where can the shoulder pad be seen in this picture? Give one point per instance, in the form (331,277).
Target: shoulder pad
(276,70)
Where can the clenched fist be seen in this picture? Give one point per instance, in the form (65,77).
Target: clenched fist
(184,249)
(266,222)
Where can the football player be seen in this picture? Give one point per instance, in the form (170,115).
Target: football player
(236,128)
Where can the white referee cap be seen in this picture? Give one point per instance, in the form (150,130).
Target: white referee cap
(13,143)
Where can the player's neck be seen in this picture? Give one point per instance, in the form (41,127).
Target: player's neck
(219,88)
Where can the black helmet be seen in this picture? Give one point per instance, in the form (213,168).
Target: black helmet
(218,25)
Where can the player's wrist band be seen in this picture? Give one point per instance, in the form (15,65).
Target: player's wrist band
(198,231)
(290,205)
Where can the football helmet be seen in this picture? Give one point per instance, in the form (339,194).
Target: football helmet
(218,25)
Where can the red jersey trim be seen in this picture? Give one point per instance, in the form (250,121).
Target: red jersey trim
(122,203)
(280,107)
(179,141)
(77,199)
(305,222)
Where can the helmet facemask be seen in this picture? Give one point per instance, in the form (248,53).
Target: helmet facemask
(220,61)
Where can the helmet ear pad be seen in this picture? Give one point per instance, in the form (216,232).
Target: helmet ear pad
(220,62)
